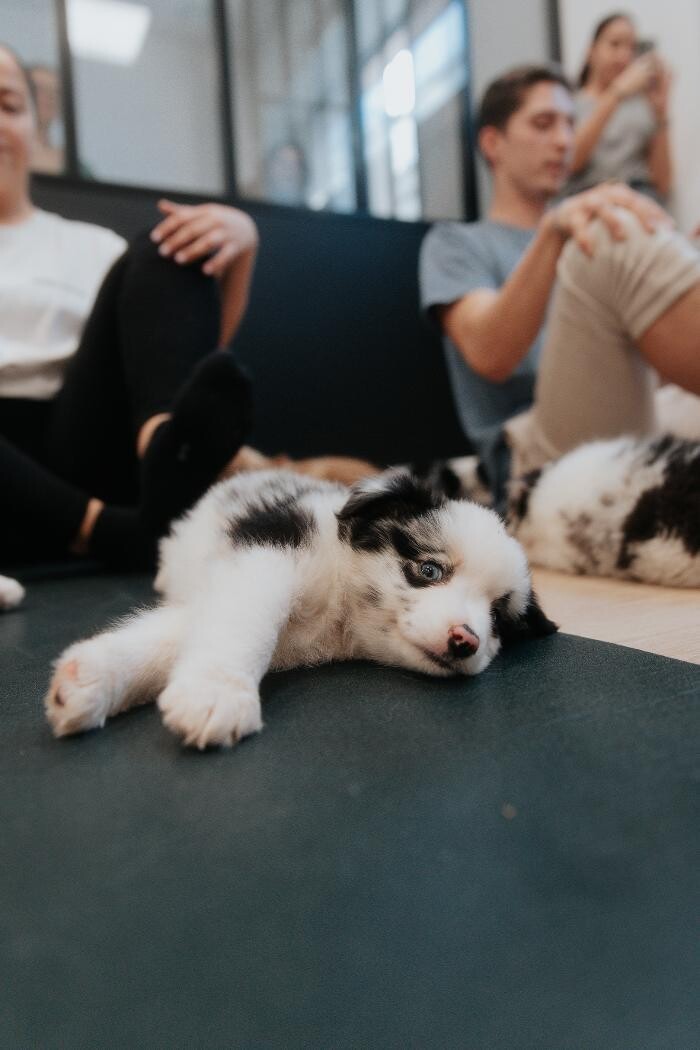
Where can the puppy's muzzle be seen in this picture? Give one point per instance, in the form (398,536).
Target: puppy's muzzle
(462,641)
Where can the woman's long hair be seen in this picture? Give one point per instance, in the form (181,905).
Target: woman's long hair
(597,33)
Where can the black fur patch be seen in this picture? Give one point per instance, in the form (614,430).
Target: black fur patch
(406,545)
(671,508)
(579,535)
(440,477)
(522,487)
(511,628)
(273,523)
(366,519)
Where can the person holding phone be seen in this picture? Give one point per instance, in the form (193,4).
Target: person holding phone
(622,123)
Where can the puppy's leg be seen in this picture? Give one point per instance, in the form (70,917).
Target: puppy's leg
(212,697)
(113,671)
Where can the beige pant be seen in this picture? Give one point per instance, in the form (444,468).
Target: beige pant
(592,382)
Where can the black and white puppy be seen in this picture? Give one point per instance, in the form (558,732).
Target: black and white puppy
(273,570)
(626,507)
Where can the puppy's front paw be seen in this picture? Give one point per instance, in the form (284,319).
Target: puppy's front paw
(11,593)
(79,695)
(214,709)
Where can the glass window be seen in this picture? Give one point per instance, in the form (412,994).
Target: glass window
(146,80)
(29,27)
(334,104)
(412,82)
(292,102)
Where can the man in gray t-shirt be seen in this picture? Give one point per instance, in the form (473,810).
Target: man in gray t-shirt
(525,393)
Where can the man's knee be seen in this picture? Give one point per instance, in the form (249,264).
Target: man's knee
(614,259)
(633,279)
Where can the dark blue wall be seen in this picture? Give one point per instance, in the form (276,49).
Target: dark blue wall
(341,360)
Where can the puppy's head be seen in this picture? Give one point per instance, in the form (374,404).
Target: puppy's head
(439,585)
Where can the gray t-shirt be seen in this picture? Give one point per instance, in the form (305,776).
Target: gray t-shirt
(455,259)
(621,150)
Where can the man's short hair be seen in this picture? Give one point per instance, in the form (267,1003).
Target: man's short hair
(505,95)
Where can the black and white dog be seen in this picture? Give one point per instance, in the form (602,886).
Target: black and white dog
(273,570)
(627,507)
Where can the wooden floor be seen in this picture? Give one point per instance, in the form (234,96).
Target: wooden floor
(661,620)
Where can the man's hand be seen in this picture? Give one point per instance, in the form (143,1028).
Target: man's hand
(574,216)
(196,231)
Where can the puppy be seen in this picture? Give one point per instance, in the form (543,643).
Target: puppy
(274,570)
(627,507)
(11,593)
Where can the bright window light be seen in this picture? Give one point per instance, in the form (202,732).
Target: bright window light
(399,85)
(107,30)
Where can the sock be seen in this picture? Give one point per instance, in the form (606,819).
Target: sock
(211,417)
(119,539)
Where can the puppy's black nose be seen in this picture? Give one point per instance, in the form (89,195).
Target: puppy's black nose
(462,641)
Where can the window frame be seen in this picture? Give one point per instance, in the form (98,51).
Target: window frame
(225,76)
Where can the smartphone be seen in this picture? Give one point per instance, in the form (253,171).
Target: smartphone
(645,46)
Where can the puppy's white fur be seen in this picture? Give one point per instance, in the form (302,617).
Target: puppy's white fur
(271,570)
(11,593)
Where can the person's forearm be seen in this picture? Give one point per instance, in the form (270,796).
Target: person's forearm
(660,167)
(589,130)
(499,336)
(234,285)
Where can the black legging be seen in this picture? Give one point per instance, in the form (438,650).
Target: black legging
(151,323)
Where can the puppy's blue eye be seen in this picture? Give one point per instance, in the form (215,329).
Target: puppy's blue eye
(431,571)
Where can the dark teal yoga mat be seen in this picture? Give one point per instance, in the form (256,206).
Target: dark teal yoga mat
(508,861)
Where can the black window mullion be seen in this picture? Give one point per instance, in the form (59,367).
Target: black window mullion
(65,59)
(554,27)
(467,133)
(356,120)
(226,113)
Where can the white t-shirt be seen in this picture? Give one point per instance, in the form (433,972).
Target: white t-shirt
(50,271)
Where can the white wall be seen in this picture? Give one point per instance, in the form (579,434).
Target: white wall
(675,26)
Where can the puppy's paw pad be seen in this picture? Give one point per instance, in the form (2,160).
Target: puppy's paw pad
(11,593)
(213,710)
(77,698)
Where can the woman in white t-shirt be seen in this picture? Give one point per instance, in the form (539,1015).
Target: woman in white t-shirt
(118,403)
(622,128)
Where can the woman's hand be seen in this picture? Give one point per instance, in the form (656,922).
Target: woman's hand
(659,90)
(215,232)
(573,217)
(637,77)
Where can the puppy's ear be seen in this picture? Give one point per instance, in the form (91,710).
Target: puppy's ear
(393,497)
(513,627)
